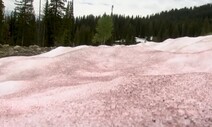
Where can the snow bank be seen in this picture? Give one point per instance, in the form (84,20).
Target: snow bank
(183,45)
(59,51)
(10,87)
(138,85)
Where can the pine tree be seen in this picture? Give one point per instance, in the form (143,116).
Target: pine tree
(206,27)
(48,28)
(175,32)
(69,12)
(5,30)
(56,13)
(13,31)
(68,24)
(1,20)
(57,7)
(25,22)
(104,29)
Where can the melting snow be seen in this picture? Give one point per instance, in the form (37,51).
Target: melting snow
(150,84)
(184,44)
(10,87)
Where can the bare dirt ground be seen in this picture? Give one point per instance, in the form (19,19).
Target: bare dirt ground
(7,50)
(141,85)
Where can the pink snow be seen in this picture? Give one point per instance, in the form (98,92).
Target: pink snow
(150,84)
(60,50)
(184,44)
(10,87)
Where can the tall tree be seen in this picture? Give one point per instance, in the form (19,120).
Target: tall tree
(104,29)
(1,20)
(25,22)
(68,24)
(47,26)
(56,13)
(206,27)
(57,7)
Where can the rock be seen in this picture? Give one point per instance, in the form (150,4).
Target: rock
(1,46)
(38,49)
(11,51)
(34,46)
(6,45)
(17,47)
(17,50)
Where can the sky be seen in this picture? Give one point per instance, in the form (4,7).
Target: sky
(123,7)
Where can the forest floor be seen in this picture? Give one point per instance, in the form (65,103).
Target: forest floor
(6,50)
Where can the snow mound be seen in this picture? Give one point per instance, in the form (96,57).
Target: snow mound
(10,87)
(151,84)
(60,51)
(183,45)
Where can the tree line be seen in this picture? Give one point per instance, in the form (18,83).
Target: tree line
(58,26)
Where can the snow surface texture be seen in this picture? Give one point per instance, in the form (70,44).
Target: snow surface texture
(156,85)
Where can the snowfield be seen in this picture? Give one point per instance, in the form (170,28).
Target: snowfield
(151,84)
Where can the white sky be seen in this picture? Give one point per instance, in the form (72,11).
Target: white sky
(124,7)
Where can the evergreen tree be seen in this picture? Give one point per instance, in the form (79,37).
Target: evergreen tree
(59,27)
(55,21)
(1,20)
(104,29)
(68,24)
(49,23)
(13,32)
(48,29)
(206,27)
(25,22)
(57,7)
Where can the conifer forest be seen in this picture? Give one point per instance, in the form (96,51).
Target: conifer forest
(57,25)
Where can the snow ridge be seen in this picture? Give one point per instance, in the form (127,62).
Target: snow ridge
(151,84)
